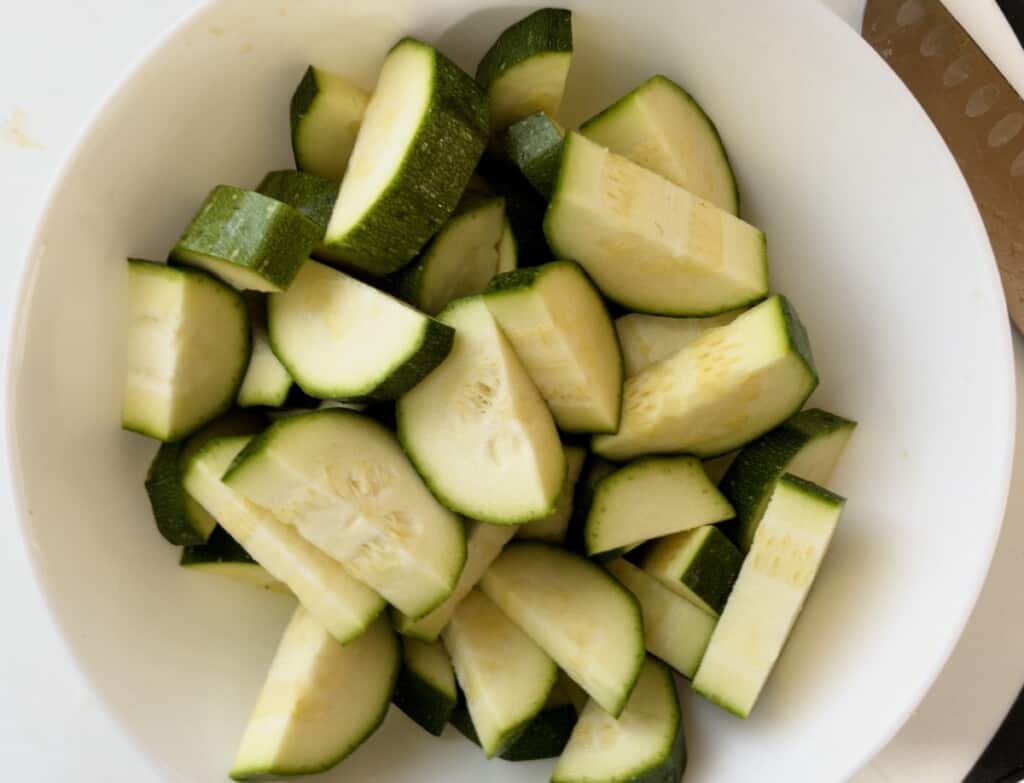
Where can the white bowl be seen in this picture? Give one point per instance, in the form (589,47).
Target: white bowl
(872,233)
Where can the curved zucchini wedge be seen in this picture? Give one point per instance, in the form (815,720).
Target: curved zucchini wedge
(320,702)
(342,482)
(700,565)
(267,382)
(326,111)
(700,401)
(650,245)
(560,329)
(312,196)
(534,145)
(175,383)
(340,338)
(477,429)
(648,339)
(421,137)
(248,240)
(576,612)
(525,69)
(659,126)
(426,689)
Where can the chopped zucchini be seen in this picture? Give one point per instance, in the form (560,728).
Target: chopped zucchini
(224,556)
(650,498)
(777,574)
(660,127)
(645,744)
(648,244)
(311,195)
(508,249)
(504,675)
(341,604)
(326,111)
(554,527)
(425,690)
(576,612)
(477,429)
(187,349)
(807,445)
(248,240)
(648,339)
(720,392)
(483,544)
(560,329)
(525,69)
(460,260)
(534,145)
(421,137)
(341,480)
(267,382)
(524,208)
(701,565)
(675,630)
(321,700)
(341,338)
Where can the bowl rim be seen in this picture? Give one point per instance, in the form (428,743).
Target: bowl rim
(27,272)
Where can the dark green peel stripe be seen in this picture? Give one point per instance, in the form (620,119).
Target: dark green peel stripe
(221,548)
(311,195)
(546,30)
(534,145)
(302,99)
(433,349)
(713,570)
(167,496)
(797,334)
(543,737)
(422,702)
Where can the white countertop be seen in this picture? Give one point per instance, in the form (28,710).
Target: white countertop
(58,59)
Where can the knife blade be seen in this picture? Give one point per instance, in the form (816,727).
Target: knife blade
(978,113)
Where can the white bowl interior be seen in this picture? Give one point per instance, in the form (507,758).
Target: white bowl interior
(871,231)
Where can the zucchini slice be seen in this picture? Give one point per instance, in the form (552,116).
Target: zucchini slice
(248,240)
(460,260)
(267,382)
(326,111)
(720,392)
(554,527)
(650,498)
(320,701)
(808,445)
(426,690)
(648,339)
(341,604)
(560,329)
(675,630)
(477,429)
(504,675)
(341,338)
(525,69)
(483,544)
(342,482)
(421,137)
(777,574)
(701,565)
(660,127)
(645,744)
(187,349)
(534,145)
(508,249)
(648,244)
(311,195)
(223,556)
(179,518)
(576,612)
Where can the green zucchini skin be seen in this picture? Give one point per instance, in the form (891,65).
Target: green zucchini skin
(435,347)
(429,183)
(311,195)
(547,30)
(422,702)
(534,145)
(321,92)
(542,738)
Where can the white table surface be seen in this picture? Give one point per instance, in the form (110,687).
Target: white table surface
(58,59)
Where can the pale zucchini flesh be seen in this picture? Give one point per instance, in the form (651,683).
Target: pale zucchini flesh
(722,391)
(341,338)
(559,327)
(222,556)
(659,126)
(267,382)
(700,565)
(648,339)
(505,677)
(645,744)
(342,605)
(650,498)
(426,690)
(423,132)
(321,700)
(187,349)
(675,630)
(477,429)
(508,249)
(341,481)
(777,574)
(483,544)
(648,244)
(554,527)
(576,612)
(326,111)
